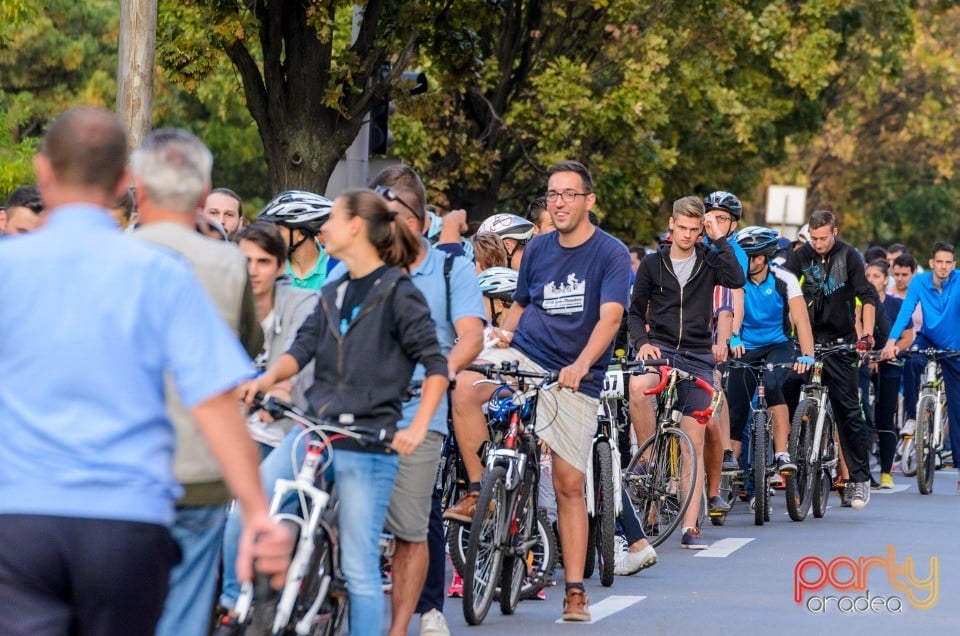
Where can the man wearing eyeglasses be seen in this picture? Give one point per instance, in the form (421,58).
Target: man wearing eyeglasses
(572,291)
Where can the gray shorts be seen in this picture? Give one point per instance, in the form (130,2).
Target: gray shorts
(408,516)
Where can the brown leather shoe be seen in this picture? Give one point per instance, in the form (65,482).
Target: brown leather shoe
(462,511)
(575,606)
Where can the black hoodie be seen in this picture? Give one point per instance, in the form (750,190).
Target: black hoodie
(680,318)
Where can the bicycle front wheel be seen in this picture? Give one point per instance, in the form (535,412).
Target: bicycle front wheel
(761,487)
(799,491)
(541,558)
(926,454)
(660,481)
(606,515)
(481,572)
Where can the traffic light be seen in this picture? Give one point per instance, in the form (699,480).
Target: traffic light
(413,83)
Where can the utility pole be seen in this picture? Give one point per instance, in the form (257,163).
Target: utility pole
(138,44)
(357,162)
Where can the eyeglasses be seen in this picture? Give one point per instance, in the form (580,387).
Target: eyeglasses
(568,197)
(390,195)
(723,218)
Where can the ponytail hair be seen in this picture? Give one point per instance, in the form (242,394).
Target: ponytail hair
(393,239)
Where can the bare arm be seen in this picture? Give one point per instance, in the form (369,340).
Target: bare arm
(286,367)
(509,325)
(469,343)
(600,338)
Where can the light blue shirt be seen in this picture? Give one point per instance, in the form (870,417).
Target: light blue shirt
(90,322)
(940,310)
(466,301)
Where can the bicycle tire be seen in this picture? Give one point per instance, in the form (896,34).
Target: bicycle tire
(662,494)
(541,559)
(926,454)
(908,457)
(799,485)
(761,486)
(590,558)
(458,538)
(264,610)
(514,566)
(606,524)
(484,556)
(321,564)
(821,496)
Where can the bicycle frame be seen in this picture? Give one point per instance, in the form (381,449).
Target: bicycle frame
(613,390)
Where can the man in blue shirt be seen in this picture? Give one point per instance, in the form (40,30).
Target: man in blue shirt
(571,294)
(92,321)
(938,294)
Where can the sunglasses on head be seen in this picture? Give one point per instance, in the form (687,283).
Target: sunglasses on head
(390,195)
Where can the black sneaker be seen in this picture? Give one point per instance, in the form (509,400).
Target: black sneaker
(785,466)
(729,461)
(846,494)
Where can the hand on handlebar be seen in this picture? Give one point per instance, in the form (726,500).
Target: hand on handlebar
(803,364)
(736,346)
(889,351)
(865,343)
(247,390)
(571,376)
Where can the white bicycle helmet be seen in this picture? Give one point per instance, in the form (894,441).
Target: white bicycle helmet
(803,234)
(297,209)
(498,283)
(508,226)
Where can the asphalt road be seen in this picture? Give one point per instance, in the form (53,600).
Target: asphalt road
(747,581)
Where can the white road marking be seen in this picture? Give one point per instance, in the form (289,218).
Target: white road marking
(607,607)
(723,548)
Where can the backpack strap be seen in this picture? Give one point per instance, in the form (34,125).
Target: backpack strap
(447,269)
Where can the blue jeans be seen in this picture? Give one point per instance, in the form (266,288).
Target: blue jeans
(364,484)
(276,465)
(198,531)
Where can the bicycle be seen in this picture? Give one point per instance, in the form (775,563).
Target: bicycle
(812,443)
(604,479)
(508,526)
(931,415)
(662,474)
(313,599)
(761,469)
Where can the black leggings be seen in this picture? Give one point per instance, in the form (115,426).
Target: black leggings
(886,388)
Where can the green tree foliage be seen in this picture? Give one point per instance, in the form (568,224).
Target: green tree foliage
(659,99)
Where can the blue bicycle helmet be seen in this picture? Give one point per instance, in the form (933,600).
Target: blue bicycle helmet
(758,240)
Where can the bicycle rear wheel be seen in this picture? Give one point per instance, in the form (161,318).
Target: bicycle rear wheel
(484,557)
(926,454)
(800,485)
(761,487)
(541,558)
(661,486)
(458,538)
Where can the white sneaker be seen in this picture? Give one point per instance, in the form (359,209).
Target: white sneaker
(433,623)
(908,428)
(620,548)
(633,562)
(861,495)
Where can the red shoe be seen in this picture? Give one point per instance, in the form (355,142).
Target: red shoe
(456,586)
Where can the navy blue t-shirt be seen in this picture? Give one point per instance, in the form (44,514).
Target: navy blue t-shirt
(562,289)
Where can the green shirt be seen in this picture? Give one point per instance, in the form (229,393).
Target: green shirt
(315,277)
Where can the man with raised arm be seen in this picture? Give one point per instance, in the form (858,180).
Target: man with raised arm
(670,318)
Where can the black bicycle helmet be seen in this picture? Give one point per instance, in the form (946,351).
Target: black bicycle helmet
(297,209)
(758,240)
(721,200)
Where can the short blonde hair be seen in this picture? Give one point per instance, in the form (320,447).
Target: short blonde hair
(489,251)
(689,206)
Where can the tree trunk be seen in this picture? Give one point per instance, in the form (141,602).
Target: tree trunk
(138,43)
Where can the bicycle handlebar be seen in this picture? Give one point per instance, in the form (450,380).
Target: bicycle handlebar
(666,371)
(364,435)
(931,352)
(492,371)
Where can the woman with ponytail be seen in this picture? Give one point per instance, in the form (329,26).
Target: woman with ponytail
(369,330)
